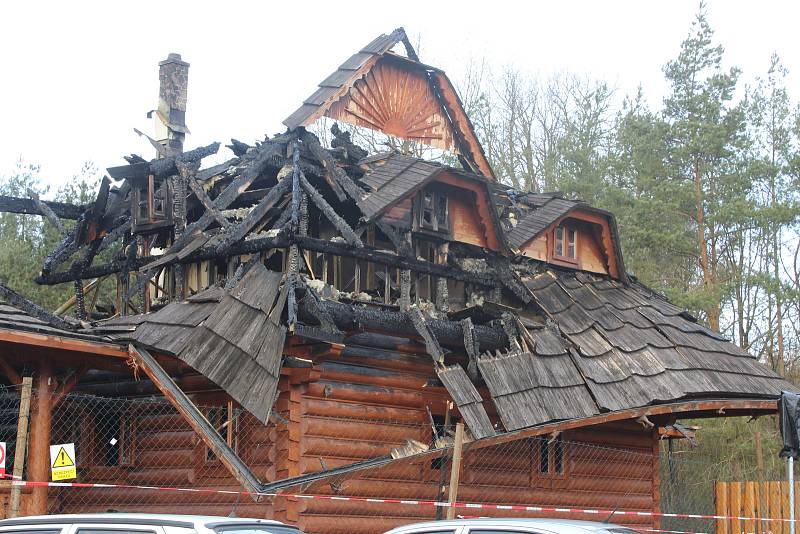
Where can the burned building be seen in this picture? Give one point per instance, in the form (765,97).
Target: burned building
(351,302)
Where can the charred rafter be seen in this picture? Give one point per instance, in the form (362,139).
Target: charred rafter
(28,206)
(327,210)
(31,308)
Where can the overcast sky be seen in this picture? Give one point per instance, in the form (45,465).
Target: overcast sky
(77,77)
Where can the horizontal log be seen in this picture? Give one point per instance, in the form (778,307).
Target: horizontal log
(165,440)
(365,393)
(354,317)
(28,206)
(357,410)
(323,426)
(370,446)
(282,241)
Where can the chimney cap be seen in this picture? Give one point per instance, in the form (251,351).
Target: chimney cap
(172,57)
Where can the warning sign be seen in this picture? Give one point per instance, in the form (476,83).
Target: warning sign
(2,458)
(62,462)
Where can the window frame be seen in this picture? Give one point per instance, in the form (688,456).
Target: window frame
(228,430)
(564,258)
(438,226)
(557,452)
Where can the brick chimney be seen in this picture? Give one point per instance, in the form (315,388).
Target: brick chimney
(173,77)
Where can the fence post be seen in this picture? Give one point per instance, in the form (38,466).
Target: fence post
(455,470)
(21,444)
(790,467)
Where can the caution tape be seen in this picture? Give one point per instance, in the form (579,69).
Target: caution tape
(411,502)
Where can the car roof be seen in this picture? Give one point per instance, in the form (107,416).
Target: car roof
(542,523)
(123,517)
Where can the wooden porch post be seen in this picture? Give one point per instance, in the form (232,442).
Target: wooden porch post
(39,447)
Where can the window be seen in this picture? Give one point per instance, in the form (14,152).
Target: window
(225,422)
(433,211)
(549,456)
(114,439)
(565,244)
(152,202)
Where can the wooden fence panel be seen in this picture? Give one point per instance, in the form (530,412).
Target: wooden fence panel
(765,500)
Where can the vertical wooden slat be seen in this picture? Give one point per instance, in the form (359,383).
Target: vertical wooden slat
(785,503)
(775,507)
(796,503)
(749,506)
(735,506)
(721,506)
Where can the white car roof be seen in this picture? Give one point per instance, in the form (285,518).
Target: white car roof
(123,517)
(561,526)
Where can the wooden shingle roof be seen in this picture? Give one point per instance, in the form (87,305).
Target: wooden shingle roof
(634,348)
(392,179)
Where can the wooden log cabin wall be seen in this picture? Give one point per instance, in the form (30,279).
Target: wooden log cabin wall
(305,319)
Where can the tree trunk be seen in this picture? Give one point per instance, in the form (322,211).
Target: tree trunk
(712,309)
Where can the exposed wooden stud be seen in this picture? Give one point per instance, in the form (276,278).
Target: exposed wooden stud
(405,289)
(21,443)
(387,285)
(455,471)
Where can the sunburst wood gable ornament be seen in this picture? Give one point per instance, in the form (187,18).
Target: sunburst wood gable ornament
(396,101)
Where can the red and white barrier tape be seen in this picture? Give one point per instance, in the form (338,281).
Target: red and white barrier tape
(413,502)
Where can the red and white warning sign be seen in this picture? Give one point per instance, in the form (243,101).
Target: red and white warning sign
(2,458)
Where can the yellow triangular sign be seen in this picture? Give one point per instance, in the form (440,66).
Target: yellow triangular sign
(63,459)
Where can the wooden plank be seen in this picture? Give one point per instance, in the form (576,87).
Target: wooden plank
(774,500)
(735,500)
(721,506)
(455,470)
(21,443)
(196,420)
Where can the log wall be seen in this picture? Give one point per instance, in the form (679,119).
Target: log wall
(359,403)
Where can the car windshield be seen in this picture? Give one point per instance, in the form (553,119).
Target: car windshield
(255,529)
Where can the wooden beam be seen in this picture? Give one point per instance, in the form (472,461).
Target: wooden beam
(251,246)
(348,317)
(17,300)
(267,154)
(421,326)
(46,211)
(330,213)
(67,386)
(206,201)
(39,449)
(192,415)
(11,373)
(63,343)
(28,206)
(455,471)
(336,177)
(21,443)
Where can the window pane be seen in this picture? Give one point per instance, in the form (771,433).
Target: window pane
(571,250)
(122,530)
(544,457)
(441,210)
(558,455)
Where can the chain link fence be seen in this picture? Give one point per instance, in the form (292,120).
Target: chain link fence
(148,457)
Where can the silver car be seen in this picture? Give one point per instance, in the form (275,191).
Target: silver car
(512,526)
(123,523)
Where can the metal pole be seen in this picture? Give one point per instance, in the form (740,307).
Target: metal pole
(790,467)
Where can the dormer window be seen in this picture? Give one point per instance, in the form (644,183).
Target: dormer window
(565,244)
(152,203)
(433,211)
